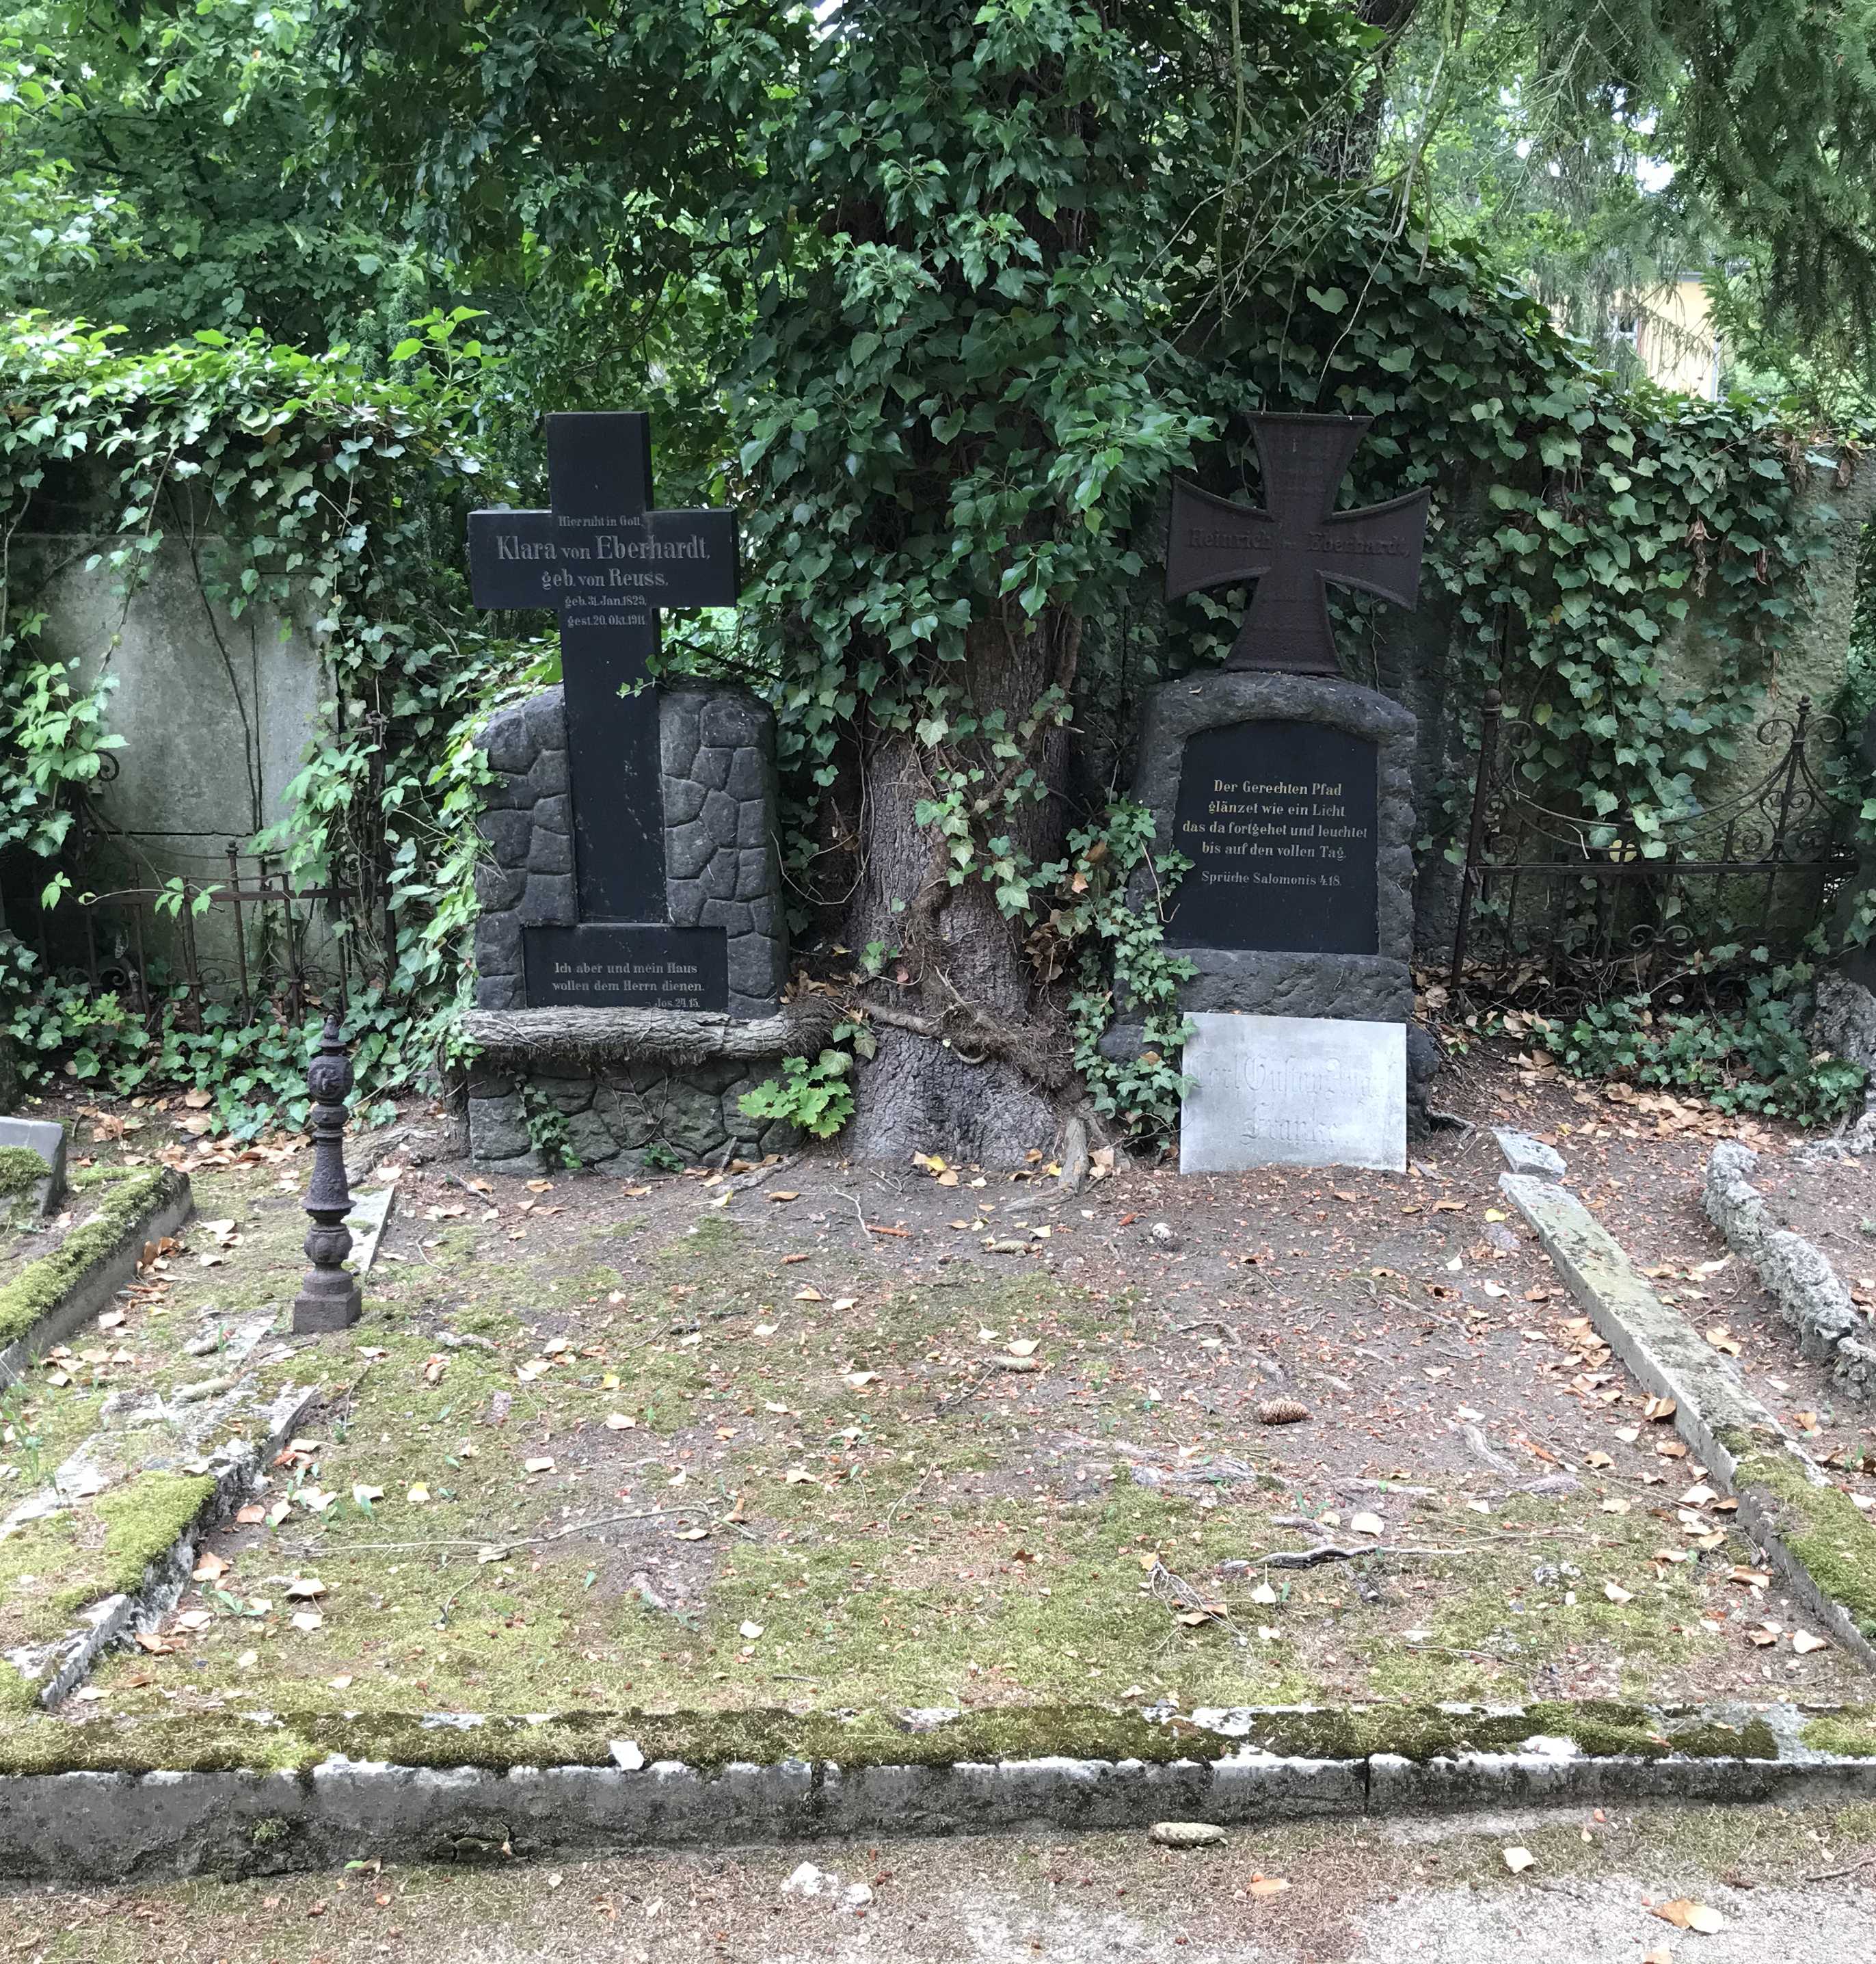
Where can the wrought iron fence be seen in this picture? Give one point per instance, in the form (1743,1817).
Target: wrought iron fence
(1594,905)
(143,944)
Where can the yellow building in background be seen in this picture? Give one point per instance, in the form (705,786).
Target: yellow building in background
(1670,329)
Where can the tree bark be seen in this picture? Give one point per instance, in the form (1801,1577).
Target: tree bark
(970,1063)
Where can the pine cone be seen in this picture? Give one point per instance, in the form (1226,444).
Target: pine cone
(1282,1411)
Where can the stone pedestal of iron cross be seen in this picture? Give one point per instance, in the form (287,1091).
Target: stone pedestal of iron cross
(608,563)
(1290,791)
(1296,544)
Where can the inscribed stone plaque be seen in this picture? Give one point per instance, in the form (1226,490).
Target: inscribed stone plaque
(1293,1091)
(626,965)
(1278,818)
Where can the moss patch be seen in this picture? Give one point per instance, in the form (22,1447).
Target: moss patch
(220,1741)
(1851,1731)
(142,1522)
(36,1563)
(1822,1528)
(20,1169)
(124,1196)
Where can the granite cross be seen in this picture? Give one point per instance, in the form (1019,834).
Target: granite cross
(1296,544)
(608,563)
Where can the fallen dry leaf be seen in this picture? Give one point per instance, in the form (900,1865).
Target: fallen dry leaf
(1685,1914)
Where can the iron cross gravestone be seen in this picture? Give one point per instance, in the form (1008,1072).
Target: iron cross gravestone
(607,563)
(1289,790)
(1296,544)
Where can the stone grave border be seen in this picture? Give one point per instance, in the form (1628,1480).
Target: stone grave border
(57,1668)
(51,1297)
(1797,1273)
(1822,1547)
(267,1793)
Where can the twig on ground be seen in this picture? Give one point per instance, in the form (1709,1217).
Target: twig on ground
(954,1400)
(1207,1323)
(1833,1874)
(911,1493)
(1311,1558)
(1184,1600)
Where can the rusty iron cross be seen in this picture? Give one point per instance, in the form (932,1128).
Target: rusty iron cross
(1296,544)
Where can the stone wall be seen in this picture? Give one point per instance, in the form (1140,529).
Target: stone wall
(601,1099)
(616,1111)
(717,749)
(217,714)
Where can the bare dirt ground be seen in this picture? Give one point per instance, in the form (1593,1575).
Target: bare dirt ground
(1355,1892)
(1638,1161)
(822,1435)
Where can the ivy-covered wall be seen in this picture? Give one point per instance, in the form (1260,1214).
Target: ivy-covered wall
(1643,576)
(190,502)
(218,704)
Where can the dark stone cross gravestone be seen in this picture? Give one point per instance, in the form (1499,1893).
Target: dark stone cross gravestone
(1289,789)
(1297,545)
(608,563)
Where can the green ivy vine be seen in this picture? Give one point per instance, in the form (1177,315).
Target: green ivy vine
(305,489)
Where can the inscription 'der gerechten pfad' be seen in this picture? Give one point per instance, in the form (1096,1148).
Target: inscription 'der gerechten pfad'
(1279,820)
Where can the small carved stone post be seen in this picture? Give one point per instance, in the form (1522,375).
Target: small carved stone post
(329,1298)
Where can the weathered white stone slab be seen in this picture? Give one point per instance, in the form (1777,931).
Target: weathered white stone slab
(1293,1091)
(367,1221)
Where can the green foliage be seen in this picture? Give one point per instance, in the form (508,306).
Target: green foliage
(1608,147)
(176,154)
(1756,1060)
(953,408)
(1120,957)
(547,1131)
(658,1157)
(817,1097)
(334,494)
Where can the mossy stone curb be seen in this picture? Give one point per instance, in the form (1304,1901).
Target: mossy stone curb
(154,1525)
(51,1297)
(109,1799)
(1822,1545)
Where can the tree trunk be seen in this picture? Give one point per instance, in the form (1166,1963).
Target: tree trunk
(970,1064)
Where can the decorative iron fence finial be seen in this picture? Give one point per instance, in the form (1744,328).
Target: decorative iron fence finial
(329,1298)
